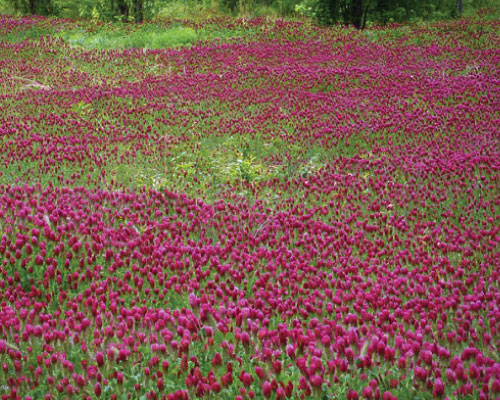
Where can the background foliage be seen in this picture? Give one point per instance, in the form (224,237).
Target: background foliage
(328,12)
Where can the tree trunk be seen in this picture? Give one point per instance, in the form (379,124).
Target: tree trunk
(139,11)
(460,7)
(122,8)
(365,15)
(32,7)
(357,13)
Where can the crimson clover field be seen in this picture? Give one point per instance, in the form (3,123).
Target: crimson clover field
(276,210)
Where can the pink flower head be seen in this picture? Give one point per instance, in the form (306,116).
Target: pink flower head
(438,388)
(267,389)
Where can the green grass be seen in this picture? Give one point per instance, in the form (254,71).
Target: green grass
(126,36)
(32,33)
(175,36)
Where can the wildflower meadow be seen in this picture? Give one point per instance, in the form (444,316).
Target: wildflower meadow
(249,209)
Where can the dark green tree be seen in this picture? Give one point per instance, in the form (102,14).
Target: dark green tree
(345,11)
(34,7)
(357,12)
(125,10)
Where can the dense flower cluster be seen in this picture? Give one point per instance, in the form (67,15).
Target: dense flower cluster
(354,253)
